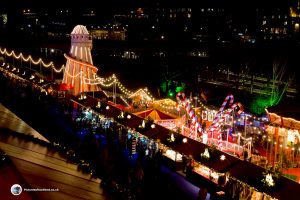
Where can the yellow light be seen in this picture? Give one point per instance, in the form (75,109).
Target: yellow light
(98,104)
(222,157)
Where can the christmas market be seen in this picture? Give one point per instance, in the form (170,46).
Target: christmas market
(225,146)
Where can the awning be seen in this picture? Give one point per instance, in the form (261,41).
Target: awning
(64,87)
(154,114)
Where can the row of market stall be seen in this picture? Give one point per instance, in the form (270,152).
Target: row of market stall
(184,154)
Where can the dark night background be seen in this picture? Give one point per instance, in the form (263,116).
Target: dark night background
(148,71)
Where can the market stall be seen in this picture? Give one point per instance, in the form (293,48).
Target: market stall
(164,119)
(283,136)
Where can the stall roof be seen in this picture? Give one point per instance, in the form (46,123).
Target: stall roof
(285,115)
(156,132)
(246,172)
(154,114)
(195,148)
(289,109)
(252,175)
(286,122)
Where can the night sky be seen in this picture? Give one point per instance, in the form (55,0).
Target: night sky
(119,4)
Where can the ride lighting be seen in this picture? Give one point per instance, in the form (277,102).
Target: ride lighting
(184,140)
(128,116)
(152,125)
(107,107)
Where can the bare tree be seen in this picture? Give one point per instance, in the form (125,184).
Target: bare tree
(279,82)
(274,89)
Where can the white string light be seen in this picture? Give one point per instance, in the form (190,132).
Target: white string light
(108,82)
(29,58)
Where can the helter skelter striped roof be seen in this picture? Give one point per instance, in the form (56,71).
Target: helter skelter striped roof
(80,29)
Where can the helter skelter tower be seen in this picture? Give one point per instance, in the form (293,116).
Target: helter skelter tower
(80,73)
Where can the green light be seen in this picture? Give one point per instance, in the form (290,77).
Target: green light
(163,87)
(179,89)
(258,105)
(171,93)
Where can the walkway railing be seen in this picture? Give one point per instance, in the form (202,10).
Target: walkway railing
(228,147)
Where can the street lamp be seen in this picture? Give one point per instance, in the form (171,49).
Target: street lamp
(227,130)
(293,155)
(269,140)
(275,151)
(245,125)
(239,141)
(280,154)
(297,157)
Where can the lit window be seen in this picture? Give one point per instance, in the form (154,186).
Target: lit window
(284,31)
(297,27)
